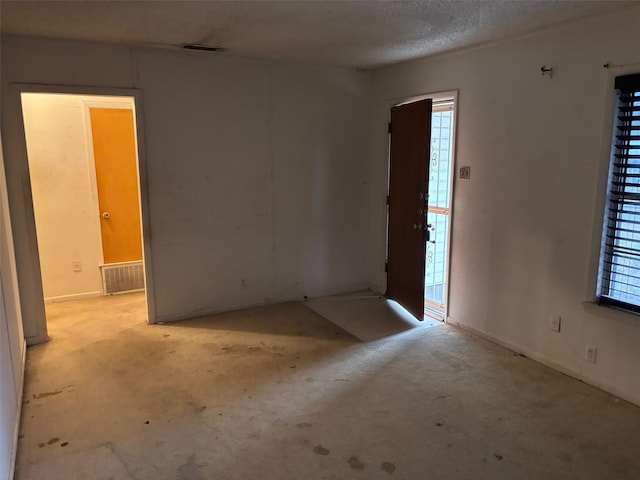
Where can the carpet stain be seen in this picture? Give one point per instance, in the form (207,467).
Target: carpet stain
(565,457)
(46,394)
(241,349)
(320,450)
(388,467)
(304,425)
(355,463)
(53,440)
(189,470)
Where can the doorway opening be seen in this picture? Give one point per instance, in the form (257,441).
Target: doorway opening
(82,152)
(440,188)
(419,198)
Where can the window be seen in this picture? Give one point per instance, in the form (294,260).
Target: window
(619,273)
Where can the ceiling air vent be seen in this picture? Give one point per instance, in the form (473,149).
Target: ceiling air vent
(205,48)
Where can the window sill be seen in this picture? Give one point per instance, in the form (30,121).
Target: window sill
(612,312)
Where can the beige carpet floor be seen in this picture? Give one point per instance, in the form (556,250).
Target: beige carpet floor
(279,392)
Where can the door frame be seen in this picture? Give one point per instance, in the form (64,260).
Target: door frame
(21,200)
(451,187)
(410,99)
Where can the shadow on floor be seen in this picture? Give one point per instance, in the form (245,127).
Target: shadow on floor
(289,319)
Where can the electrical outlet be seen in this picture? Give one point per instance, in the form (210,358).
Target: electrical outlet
(555,323)
(77,266)
(591,354)
(465,173)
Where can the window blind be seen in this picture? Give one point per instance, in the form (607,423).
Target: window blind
(620,259)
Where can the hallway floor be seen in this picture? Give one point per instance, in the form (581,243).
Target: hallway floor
(279,392)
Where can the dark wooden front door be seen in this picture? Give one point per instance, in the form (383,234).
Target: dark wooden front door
(409,175)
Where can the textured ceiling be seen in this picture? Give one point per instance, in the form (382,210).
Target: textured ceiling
(347,33)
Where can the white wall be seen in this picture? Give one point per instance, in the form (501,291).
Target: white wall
(12,345)
(525,227)
(59,146)
(255,171)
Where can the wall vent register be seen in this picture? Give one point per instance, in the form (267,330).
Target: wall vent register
(122,277)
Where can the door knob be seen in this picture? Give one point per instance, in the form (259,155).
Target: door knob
(106,215)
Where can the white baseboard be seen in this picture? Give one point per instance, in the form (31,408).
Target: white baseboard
(537,357)
(358,287)
(74,296)
(14,449)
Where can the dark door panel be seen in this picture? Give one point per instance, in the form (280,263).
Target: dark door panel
(409,174)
